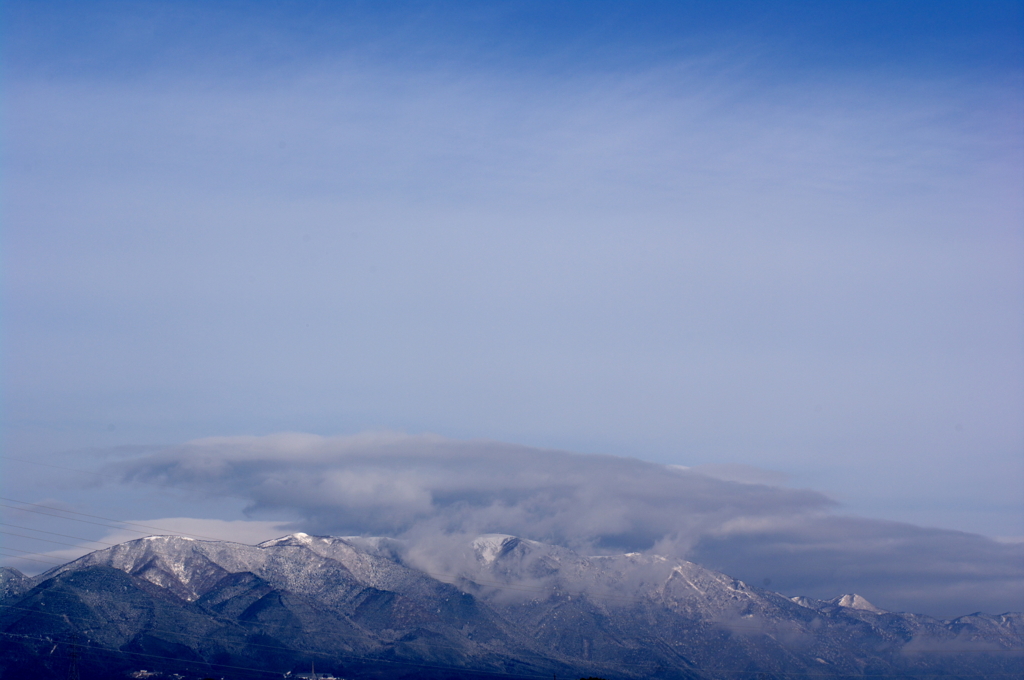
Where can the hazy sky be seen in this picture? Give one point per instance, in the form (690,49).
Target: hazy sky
(788,236)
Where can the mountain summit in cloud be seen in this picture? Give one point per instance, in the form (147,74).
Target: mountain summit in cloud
(436,493)
(360,607)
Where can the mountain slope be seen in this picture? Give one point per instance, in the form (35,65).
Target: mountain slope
(501,605)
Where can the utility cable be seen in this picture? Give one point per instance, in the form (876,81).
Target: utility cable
(108,519)
(55,467)
(28,552)
(36,538)
(77,538)
(19,557)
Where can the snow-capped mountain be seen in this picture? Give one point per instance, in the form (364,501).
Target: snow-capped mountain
(496,604)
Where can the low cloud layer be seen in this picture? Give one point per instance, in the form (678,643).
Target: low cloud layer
(399,485)
(421,487)
(249,532)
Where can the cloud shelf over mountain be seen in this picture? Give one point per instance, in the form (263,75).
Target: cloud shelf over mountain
(425,488)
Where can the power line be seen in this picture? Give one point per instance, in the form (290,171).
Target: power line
(19,557)
(73,519)
(28,552)
(107,519)
(36,538)
(78,538)
(56,467)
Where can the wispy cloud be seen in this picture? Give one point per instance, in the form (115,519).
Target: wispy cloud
(690,255)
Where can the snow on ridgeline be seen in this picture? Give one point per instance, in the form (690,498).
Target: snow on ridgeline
(332,567)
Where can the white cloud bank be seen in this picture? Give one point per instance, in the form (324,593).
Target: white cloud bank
(422,487)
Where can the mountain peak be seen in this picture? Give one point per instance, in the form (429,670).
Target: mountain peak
(299,538)
(855,601)
(492,546)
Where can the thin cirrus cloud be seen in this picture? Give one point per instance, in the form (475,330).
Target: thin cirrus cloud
(693,255)
(426,489)
(654,233)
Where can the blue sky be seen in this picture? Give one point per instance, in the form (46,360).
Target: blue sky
(121,40)
(780,235)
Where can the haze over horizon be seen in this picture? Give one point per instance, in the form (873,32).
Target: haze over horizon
(443,255)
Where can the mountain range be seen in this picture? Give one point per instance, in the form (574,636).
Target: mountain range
(175,607)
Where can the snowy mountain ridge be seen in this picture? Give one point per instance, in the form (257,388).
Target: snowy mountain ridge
(188,567)
(496,603)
